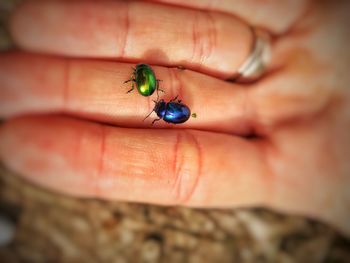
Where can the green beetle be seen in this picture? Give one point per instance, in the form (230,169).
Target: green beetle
(145,79)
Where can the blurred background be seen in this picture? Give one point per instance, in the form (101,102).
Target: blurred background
(40,226)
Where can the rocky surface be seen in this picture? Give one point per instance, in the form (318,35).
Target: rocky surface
(40,226)
(48,227)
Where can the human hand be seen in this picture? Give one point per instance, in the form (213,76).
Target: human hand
(281,142)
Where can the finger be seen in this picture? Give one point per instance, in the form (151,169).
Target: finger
(275,15)
(96,90)
(301,86)
(185,167)
(212,43)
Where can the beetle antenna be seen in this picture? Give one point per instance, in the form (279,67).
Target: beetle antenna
(148,115)
(151,111)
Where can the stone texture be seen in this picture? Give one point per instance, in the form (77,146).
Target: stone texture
(51,227)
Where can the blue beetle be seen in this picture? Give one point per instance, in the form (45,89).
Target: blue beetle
(171,112)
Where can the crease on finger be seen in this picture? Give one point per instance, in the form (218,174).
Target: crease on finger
(188,167)
(101,163)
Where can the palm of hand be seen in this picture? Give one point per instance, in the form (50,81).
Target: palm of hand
(308,145)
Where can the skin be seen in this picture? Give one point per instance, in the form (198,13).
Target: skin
(280,142)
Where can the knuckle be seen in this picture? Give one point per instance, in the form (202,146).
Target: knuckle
(66,83)
(126,28)
(186,167)
(100,165)
(204,35)
(176,82)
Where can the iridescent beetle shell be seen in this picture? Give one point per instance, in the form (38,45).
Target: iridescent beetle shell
(145,80)
(171,112)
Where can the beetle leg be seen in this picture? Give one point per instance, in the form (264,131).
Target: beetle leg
(158,80)
(174,98)
(148,116)
(155,102)
(132,88)
(128,80)
(158,88)
(131,79)
(155,120)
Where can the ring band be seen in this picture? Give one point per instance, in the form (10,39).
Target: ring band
(256,63)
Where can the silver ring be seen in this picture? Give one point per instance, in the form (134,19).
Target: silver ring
(256,63)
